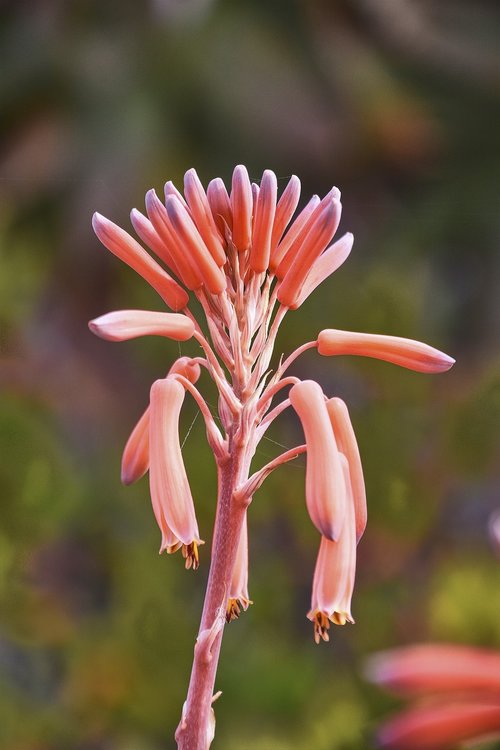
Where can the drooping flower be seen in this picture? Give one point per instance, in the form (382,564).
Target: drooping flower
(238,592)
(325,483)
(121,244)
(461,688)
(348,446)
(170,492)
(335,572)
(135,459)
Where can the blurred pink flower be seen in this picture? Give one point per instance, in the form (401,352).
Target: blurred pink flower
(461,688)
(170,492)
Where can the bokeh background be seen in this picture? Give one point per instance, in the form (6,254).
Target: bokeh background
(398,104)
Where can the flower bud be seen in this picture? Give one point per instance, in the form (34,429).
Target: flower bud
(404,352)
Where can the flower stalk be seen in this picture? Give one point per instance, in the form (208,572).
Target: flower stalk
(245,260)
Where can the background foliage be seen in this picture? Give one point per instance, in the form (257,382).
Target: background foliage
(397,103)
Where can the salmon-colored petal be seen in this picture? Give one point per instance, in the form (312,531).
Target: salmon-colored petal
(319,234)
(170,189)
(135,459)
(334,575)
(348,446)
(121,244)
(241,208)
(285,209)
(265,208)
(293,234)
(186,265)
(309,226)
(238,592)
(186,367)
(220,205)
(400,351)
(194,246)
(202,216)
(325,485)
(148,234)
(327,263)
(123,325)
(170,491)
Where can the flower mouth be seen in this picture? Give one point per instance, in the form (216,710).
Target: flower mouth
(321,623)
(234,607)
(191,555)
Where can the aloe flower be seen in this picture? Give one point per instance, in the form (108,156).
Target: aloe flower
(247,261)
(459,692)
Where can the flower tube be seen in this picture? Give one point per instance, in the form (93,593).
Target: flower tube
(325,485)
(265,208)
(170,492)
(123,325)
(400,351)
(348,446)
(121,244)
(202,216)
(334,574)
(238,593)
(135,459)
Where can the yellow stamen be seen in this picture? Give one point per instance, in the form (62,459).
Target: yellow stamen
(234,607)
(321,626)
(191,555)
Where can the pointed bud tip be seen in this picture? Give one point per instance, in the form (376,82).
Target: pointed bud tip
(448,362)
(150,195)
(126,477)
(94,326)
(99,222)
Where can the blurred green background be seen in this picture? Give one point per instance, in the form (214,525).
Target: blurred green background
(396,103)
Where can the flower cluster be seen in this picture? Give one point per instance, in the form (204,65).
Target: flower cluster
(247,261)
(459,692)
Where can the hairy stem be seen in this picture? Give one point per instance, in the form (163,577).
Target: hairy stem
(193,732)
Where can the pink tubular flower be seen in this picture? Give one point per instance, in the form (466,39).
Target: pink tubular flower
(334,574)
(210,273)
(245,257)
(346,440)
(135,459)
(285,209)
(123,325)
(265,209)
(202,216)
(325,485)
(404,352)
(170,492)
(318,232)
(220,205)
(148,234)
(292,237)
(324,266)
(182,263)
(241,208)
(461,687)
(238,593)
(127,249)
